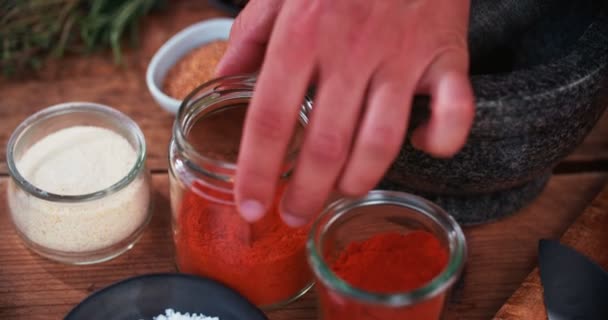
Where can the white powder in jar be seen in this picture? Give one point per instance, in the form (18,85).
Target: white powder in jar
(72,161)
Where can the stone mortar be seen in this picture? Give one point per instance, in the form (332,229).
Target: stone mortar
(540,76)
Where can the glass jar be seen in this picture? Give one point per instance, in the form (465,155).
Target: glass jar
(266,260)
(353,226)
(79,190)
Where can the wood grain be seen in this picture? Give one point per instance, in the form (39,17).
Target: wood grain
(588,236)
(97,79)
(502,254)
(595,146)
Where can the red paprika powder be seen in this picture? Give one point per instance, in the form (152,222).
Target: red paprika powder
(264,261)
(389,263)
(378,257)
(392,262)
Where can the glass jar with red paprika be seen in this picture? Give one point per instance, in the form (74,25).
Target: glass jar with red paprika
(266,260)
(386,256)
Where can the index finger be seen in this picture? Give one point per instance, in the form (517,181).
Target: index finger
(248,38)
(274,108)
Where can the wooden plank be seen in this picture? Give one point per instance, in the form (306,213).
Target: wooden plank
(96,78)
(588,236)
(124,91)
(35,288)
(502,254)
(595,146)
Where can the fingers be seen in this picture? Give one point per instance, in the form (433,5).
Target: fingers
(381,133)
(326,146)
(452,105)
(344,73)
(294,54)
(272,115)
(249,36)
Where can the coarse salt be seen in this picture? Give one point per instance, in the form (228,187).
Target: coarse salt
(171,314)
(72,161)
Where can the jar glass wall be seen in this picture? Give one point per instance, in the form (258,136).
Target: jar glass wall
(266,260)
(87,226)
(355,221)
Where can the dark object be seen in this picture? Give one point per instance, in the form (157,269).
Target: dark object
(574,286)
(147,296)
(233,7)
(540,75)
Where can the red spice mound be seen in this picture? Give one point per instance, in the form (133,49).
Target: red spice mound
(264,261)
(194,69)
(392,262)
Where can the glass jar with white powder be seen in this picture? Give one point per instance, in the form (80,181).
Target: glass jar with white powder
(80,191)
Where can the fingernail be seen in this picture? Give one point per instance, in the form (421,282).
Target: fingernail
(252,210)
(293,220)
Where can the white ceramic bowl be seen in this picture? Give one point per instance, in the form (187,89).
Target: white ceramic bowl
(175,48)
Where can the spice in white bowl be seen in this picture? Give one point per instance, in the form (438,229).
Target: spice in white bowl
(178,46)
(194,69)
(72,161)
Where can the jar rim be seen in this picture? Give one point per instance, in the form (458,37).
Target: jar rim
(213,89)
(117,117)
(440,283)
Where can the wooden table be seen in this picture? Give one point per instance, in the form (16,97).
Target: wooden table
(502,253)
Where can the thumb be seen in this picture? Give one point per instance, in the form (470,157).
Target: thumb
(248,38)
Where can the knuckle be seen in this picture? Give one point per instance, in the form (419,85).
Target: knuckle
(327,146)
(302,24)
(256,183)
(453,40)
(269,124)
(255,20)
(382,141)
(356,18)
(303,200)
(357,10)
(448,45)
(257,179)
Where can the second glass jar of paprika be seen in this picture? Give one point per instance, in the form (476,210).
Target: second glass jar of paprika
(265,261)
(387,255)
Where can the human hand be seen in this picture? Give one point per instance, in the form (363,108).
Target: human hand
(368,59)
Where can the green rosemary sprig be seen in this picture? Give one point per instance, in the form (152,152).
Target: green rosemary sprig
(33,30)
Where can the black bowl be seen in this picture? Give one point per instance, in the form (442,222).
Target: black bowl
(145,297)
(540,76)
